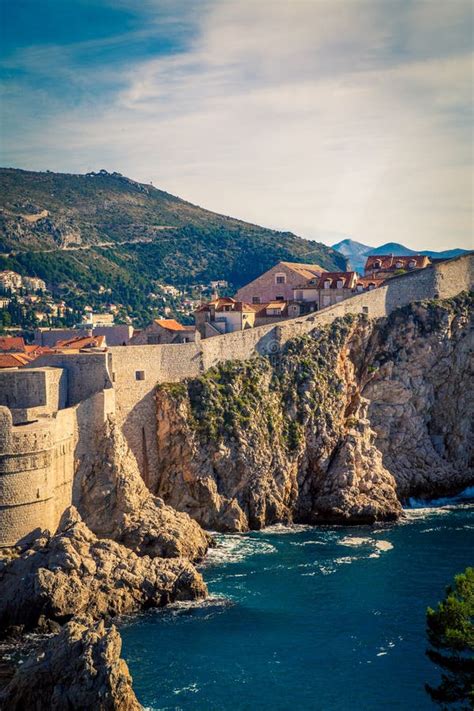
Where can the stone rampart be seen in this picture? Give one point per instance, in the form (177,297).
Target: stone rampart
(72,394)
(136,370)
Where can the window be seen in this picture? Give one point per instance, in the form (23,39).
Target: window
(326,300)
(340,283)
(255,299)
(280,278)
(327,283)
(411,264)
(279,298)
(377,264)
(399,264)
(299,295)
(339,298)
(371,286)
(360,287)
(139,375)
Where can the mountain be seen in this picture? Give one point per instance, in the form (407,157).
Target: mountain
(354,251)
(357,253)
(104,232)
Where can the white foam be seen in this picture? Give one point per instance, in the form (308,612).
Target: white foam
(281,528)
(232,548)
(354,541)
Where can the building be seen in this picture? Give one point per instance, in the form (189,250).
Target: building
(12,344)
(115,335)
(384,266)
(10,281)
(33,284)
(81,343)
(270,313)
(277,283)
(368,283)
(14,360)
(165,330)
(223,315)
(328,289)
(92,319)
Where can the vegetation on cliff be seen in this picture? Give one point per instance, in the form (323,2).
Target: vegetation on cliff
(341,424)
(450,629)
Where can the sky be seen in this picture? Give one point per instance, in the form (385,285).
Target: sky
(329,118)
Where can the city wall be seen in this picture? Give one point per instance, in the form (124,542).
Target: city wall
(52,414)
(136,370)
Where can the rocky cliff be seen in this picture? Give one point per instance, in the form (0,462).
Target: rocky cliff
(115,503)
(341,426)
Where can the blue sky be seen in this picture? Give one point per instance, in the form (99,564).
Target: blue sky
(330,118)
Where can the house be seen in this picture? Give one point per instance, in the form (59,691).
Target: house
(33,284)
(328,289)
(223,315)
(10,281)
(387,265)
(271,312)
(277,283)
(164,330)
(368,283)
(12,344)
(92,319)
(81,343)
(13,360)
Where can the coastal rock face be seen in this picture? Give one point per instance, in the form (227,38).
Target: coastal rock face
(341,426)
(115,503)
(80,668)
(74,573)
(421,397)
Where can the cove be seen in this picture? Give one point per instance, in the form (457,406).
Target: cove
(328,618)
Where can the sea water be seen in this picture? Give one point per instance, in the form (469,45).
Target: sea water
(329,618)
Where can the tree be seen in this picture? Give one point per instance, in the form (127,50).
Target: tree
(450,631)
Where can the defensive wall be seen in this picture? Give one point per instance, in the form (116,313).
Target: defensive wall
(51,413)
(136,370)
(43,446)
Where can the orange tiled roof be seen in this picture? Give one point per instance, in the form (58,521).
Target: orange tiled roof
(13,360)
(387,262)
(80,342)
(219,304)
(367,280)
(12,343)
(170,324)
(347,278)
(308,271)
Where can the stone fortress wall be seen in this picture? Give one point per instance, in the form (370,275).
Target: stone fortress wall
(43,444)
(53,411)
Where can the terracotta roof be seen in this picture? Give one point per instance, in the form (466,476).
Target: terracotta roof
(388,262)
(80,342)
(13,360)
(219,305)
(170,324)
(348,280)
(308,271)
(12,343)
(367,280)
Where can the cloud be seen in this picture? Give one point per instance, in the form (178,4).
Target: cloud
(315,116)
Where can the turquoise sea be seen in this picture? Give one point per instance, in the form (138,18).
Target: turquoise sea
(330,619)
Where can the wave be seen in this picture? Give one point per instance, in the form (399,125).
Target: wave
(465,495)
(232,548)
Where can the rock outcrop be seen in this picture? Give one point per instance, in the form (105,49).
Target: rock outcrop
(80,668)
(115,503)
(341,426)
(74,573)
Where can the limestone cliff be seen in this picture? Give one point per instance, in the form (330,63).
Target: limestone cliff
(340,426)
(115,503)
(73,573)
(80,668)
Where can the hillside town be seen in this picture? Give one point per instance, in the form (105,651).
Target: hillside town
(287,290)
